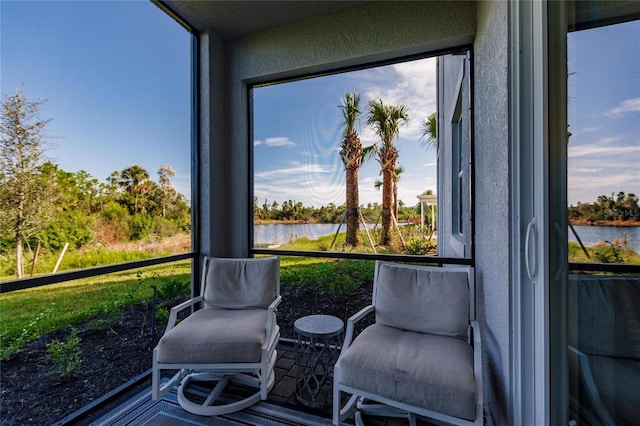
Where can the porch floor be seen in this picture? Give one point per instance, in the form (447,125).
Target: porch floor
(283,392)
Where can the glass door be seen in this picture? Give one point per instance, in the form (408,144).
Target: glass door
(594,233)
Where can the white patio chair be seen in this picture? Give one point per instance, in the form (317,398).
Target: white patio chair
(422,356)
(232,339)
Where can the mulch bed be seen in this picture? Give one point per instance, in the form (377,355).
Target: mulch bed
(115,351)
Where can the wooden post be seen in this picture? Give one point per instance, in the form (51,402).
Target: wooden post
(64,249)
(35,258)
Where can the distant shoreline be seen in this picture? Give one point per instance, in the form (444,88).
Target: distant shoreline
(617,223)
(284,222)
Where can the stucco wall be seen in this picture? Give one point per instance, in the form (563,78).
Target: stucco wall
(356,36)
(492,194)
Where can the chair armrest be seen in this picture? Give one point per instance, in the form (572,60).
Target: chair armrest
(351,322)
(590,386)
(270,311)
(477,359)
(173,315)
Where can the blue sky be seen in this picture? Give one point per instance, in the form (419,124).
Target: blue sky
(604,112)
(115,78)
(297,134)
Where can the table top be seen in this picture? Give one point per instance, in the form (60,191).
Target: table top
(318,325)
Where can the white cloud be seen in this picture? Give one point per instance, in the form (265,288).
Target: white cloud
(275,142)
(629,105)
(294,170)
(410,83)
(601,149)
(586,189)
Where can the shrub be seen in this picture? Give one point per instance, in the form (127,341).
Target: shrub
(70,227)
(65,355)
(418,246)
(173,289)
(142,225)
(342,286)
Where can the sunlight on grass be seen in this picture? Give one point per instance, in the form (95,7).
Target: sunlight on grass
(27,314)
(603,253)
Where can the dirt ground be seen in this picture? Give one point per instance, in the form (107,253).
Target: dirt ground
(115,351)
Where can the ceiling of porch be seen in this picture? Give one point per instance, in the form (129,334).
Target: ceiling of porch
(233,19)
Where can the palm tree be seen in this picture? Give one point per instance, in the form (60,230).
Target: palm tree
(378,184)
(429,128)
(351,154)
(385,121)
(135,180)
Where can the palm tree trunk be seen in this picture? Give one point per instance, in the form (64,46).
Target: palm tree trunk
(353,219)
(387,204)
(388,158)
(395,198)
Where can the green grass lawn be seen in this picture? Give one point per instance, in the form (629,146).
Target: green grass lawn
(27,314)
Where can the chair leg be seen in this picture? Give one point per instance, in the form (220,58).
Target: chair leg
(207,407)
(336,404)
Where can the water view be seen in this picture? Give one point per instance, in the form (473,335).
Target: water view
(281,233)
(618,234)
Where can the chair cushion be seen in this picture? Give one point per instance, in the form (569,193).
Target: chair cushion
(423,370)
(241,283)
(421,300)
(215,336)
(617,381)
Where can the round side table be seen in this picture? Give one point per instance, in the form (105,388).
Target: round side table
(318,342)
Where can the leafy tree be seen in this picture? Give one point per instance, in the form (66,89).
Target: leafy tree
(26,192)
(351,153)
(69,227)
(385,121)
(167,191)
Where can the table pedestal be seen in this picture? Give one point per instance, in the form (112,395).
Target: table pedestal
(318,342)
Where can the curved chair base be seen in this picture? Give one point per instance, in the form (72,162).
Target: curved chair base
(207,407)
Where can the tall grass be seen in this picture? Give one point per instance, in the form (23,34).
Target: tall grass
(603,253)
(74,259)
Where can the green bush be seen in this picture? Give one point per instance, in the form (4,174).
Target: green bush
(342,286)
(114,210)
(71,227)
(173,289)
(66,356)
(142,225)
(418,246)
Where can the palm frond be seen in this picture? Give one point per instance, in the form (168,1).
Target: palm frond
(429,128)
(350,111)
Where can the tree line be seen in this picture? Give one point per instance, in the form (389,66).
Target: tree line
(616,208)
(295,211)
(41,203)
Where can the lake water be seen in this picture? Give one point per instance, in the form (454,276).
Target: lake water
(283,233)
(593,234)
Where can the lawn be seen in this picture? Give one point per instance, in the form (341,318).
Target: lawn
(27,314)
